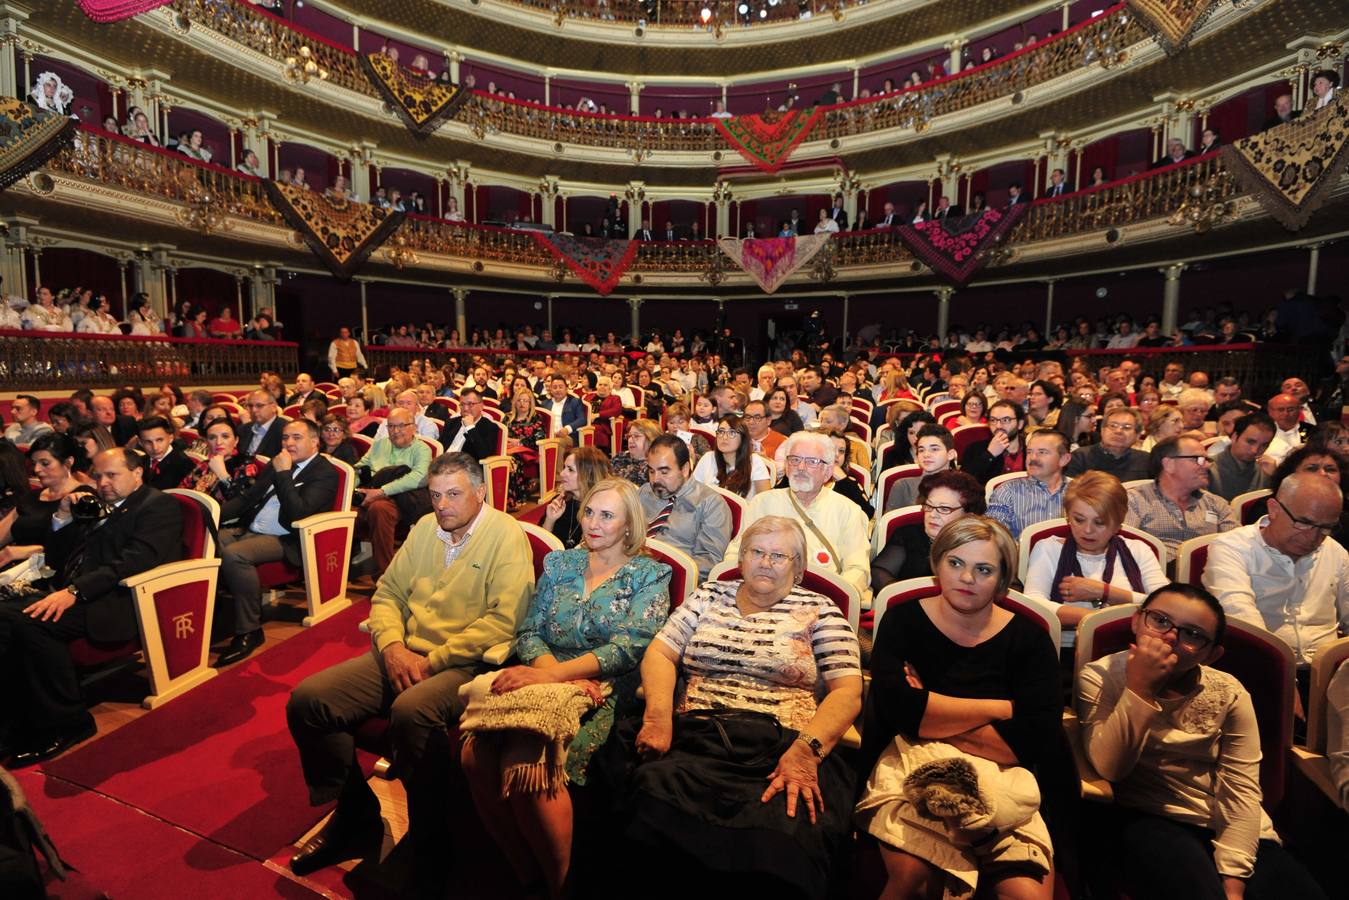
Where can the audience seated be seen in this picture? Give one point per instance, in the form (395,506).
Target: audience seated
(1284,573)
(836,528)
(681,510)
(27,425)
(582,469)
(392,479)
(934,450)
(760,687)
(257,527)
(944,497)
(471,431)
(1115,454)
(955,677)
(1002,453)
(1179,743)
(843,482)
(1175,506)
(594,613)
(1243,466)
(425,425)
(225,473)
(26,527)
(262,435)
(1094,566)
(1290,431)
(120,427)
(460,584)
(734,466)
(166,465)
(132,529)
(1022,502)
(632,465)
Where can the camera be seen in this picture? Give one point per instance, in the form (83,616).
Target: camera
(89,508)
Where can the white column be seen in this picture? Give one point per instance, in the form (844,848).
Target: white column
(856,82)
(1313,264)
(943,311)
(455,59)
(1171,297)
(9,59)
(365,314)
(461,313)
(547,90)
(955,62)
(634,96)
(238,295)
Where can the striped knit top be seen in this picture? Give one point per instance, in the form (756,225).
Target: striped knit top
(772,661)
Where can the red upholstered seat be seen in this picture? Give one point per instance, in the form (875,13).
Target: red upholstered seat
(966,435)
(827,584)
(683,570)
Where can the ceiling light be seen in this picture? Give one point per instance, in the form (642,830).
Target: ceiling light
(743,9)
(705,15)
(763,13)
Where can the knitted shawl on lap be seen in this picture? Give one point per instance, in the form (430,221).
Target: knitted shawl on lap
(552,712)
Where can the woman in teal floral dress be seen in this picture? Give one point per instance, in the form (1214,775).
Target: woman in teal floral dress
(595,610)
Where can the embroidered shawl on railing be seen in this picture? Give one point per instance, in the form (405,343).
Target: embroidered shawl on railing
(113,10)
(599,262)
(422,103)
(1172,22)
(29,137)
(957,248)
(767,139)
(771,261)
(341,234)
(1292,168)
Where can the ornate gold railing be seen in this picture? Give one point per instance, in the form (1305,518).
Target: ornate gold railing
(47,361)
(115,161)
(1098,41)
(680,13)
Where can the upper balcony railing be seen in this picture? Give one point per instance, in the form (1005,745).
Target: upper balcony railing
(685,13)
(113,160)
(1098,41)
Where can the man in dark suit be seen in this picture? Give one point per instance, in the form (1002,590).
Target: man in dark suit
(838,213)
(889,218)
(142,530)
(569,413)
(166,465)
(1058,186)
(305,390)
(258,527)
(1014,197)
(1175,152)
(644,233)
(428,407)
(123,428)
(196,402)
(945,210)
(795,225)
(670,233)
(1283,112)
(263,436)
(471,431)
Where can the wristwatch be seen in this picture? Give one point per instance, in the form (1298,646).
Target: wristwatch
(75,592)
(814,744)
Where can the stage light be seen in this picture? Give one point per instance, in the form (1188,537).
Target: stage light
(705,15)
(763,13)
(743,9)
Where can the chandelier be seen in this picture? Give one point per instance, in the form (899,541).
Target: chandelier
(302,67)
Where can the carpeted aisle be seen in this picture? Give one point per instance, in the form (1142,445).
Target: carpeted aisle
(122,852)
(219,762)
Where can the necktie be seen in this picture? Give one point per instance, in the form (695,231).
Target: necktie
(154,467)
(662,519)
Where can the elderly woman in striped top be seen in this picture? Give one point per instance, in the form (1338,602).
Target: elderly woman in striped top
(739,773)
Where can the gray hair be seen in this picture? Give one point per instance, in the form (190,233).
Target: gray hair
(1194,396)
(1289,487)
(817,439)
(779,525)
(457,461)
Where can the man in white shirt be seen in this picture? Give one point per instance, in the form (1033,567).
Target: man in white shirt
(768,377)
(568,412)
(1173,381)
(426,426)
(1283,573)
(1284,409)
(1124,338)
(1303,394)
(835,527)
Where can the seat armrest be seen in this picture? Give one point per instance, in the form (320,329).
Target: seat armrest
(323,520)
(1090,782)
(173,570)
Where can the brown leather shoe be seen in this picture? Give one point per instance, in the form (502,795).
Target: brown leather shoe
(337,842)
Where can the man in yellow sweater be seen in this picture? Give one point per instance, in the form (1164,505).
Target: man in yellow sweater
(460,584)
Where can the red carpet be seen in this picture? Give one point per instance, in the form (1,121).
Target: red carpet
(122,852)
(219,761)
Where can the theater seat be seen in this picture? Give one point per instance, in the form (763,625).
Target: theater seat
(496,472)
(175,603)
(1250,506)
(1261,661)
(737,505)
(1040,612)
(683,570)
(325,554)
(843,594)
(1033,534)
(1311,760)
(965,435)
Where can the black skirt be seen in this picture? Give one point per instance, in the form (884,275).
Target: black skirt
(703,800)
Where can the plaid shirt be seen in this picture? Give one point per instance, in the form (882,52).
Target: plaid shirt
(1022,502)
(1151,512)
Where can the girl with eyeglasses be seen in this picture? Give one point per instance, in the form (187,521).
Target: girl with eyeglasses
(734,466)
(1179,742)
(335,439)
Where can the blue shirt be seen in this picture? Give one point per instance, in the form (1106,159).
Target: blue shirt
(268,519)
(1025,501)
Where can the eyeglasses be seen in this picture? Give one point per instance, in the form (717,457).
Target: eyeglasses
(259,405)
(776,560)
(1121,426)
(401,427)
(1198,458)
(942,510)
(755,416)
(806,461)
(1003,420)
(726,433)
(1303,524)
(1187,636)
(333,429)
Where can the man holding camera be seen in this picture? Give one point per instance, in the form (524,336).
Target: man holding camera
(258,527)
(130,529)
